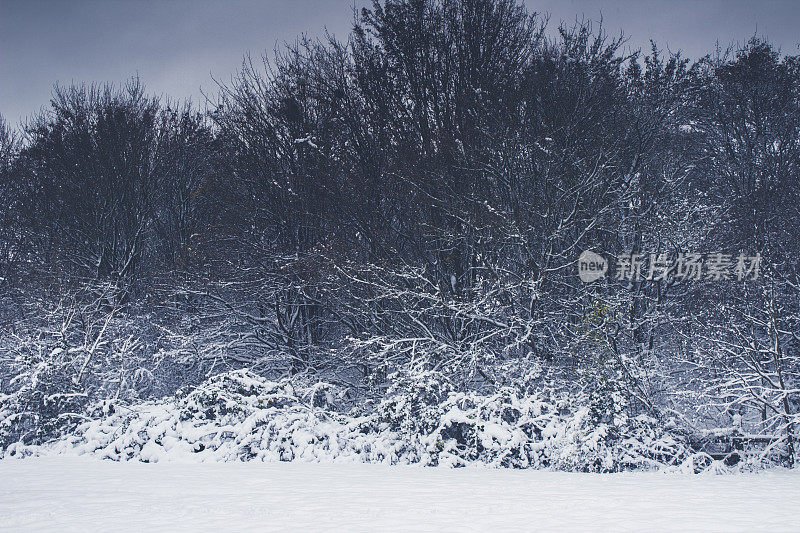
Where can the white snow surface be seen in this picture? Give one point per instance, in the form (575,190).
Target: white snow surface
(62,493)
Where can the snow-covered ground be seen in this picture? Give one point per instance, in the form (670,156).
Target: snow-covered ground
(81,494)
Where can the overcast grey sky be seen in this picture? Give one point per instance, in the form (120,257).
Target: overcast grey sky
(175,45)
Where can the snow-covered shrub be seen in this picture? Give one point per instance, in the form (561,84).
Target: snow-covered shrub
(584,444)
(499,430)
(43,397)
(45,402)
(52,367)
(236,393)
(413,404)
(545,430)
(240,416)
(233,416)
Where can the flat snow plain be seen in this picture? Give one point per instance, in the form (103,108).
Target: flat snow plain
(82,494)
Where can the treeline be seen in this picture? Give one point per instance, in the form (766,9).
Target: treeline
(415,198)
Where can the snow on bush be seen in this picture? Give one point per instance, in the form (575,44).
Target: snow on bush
(44,403)
(544,429)
(240,416)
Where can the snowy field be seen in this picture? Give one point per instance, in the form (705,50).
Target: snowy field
(79,494)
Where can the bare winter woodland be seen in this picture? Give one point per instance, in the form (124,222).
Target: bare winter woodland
(374,242)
